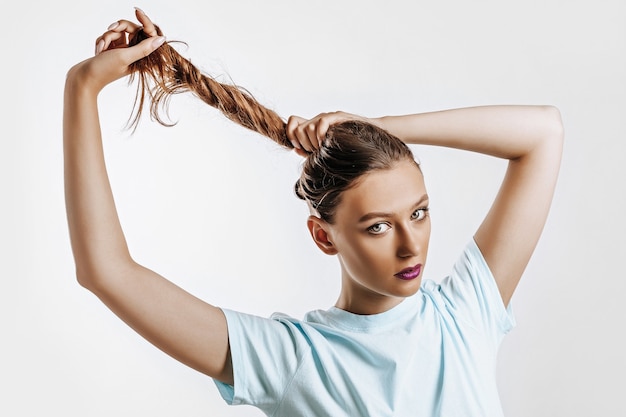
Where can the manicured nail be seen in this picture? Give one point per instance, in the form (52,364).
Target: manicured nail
(140,11)
(295,144)
(158,41)
(99,46)
(113,25)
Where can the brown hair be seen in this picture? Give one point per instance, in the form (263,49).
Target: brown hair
(351,149)
(170,73)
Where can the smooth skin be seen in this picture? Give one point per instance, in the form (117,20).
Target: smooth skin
(175,321)
(194,332)
(529,137)
(378,231)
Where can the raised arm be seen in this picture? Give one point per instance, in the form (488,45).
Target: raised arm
(178,323)
(530,137)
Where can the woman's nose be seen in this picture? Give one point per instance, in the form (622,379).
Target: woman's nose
(408,242)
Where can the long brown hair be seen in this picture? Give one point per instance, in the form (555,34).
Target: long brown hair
(165,72)
(351,149)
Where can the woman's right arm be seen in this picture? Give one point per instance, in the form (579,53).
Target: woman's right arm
(175,321)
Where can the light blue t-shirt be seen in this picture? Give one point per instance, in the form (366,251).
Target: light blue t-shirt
(434,354)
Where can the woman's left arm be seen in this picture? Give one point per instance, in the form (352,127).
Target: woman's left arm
(531,138)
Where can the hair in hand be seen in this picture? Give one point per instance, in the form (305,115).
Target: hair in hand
(165,72)
(351,148)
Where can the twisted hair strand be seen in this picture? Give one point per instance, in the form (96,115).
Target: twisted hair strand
(165,72)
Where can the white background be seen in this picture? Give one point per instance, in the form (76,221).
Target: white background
(210,205)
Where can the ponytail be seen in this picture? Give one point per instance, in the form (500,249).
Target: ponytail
(351,148)
(165,72)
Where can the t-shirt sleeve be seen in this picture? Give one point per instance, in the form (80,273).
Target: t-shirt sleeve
(472,295)
(265,354)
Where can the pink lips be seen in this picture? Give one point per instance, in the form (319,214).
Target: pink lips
(410,273)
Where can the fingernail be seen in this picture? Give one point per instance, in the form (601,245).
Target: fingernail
(99,46)
(139,10)
(113,25)
(158,41)
(295,144)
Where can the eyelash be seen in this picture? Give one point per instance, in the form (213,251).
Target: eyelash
(423,210)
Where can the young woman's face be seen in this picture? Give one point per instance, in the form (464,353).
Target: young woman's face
(381,233)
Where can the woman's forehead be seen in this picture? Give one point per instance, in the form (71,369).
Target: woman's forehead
(390,190)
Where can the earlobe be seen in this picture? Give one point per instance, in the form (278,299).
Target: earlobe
(318,229)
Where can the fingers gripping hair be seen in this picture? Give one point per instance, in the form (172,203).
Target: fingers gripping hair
(165,72)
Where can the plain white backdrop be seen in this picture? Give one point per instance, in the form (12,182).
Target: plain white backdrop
(210,205)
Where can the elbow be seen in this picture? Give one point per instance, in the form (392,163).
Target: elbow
(97,278)
(553,124)
(548,146)
(86,278)
(548,135)
(545,136)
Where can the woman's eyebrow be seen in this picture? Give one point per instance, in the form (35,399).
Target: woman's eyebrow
(382,214)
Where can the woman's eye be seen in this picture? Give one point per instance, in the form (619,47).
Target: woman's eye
(419,214)
(378,228)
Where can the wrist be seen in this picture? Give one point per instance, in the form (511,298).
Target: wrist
(79,81)
(378,122)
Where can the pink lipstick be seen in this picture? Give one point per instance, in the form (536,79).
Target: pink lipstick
(410,273)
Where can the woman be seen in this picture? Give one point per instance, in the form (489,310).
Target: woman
(393,344)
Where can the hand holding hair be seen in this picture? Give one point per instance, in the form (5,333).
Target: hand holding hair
(117,34)
(113,56)
(309,135)
(162,72)
(165,72)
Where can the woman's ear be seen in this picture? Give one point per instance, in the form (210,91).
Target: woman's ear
(319,230)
